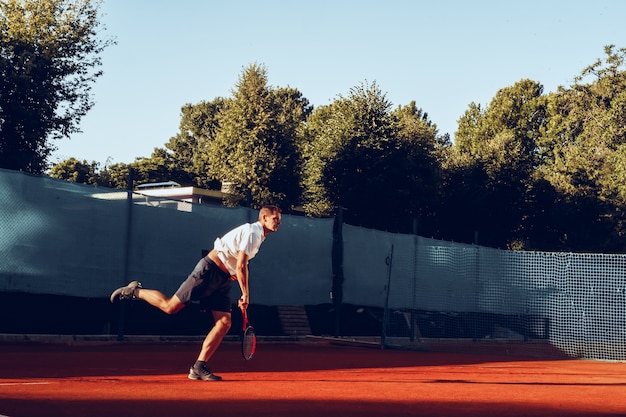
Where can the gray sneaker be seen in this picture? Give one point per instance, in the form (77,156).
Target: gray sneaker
(202,374)
(129,291)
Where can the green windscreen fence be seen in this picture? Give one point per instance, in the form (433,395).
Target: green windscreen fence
(64,239)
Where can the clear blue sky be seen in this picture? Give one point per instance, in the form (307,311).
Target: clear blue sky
(443,54)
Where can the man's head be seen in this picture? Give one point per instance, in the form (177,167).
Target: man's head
(269,217)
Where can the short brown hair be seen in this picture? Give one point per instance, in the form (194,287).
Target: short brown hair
(269,210)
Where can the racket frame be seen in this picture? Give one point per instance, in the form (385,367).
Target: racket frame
(248,334)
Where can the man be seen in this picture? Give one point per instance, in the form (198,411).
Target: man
(210,281)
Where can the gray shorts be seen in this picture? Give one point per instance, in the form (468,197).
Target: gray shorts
(208,284)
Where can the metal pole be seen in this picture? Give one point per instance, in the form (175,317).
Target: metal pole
(383,335)
(337,265)
(127,242)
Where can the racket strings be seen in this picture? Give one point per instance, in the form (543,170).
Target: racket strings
(249,343)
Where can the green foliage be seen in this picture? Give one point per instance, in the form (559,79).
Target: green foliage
(162,166)
(416,164)
(589,125)
(584,155)
(254,148)
(369,161)
(115,176)
(198,126)
(49,58)
(490,170)
(504,136)
(528,171)
(345,141)
(73,170)
(543,172)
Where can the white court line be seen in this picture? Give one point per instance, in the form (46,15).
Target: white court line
(2,384)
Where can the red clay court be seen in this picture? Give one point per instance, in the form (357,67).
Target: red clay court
(95,379)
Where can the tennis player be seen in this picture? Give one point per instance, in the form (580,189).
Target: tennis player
(210,283)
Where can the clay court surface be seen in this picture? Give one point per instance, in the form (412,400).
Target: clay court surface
(298,379)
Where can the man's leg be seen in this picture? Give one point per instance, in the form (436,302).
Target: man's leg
(159,300)
(214,338)
(211,342)
(153,297)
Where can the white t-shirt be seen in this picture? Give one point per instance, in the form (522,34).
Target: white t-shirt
(247,238)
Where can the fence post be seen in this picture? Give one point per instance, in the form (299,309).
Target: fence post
(383,335)
(337,265)
(127,243)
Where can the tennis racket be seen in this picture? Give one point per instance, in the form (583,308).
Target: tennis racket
(248,337)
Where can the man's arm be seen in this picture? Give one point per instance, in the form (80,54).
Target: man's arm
(242,278)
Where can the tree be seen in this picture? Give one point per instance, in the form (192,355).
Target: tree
(492,166)
(73,170)
(347,143)
(115,176)
(588,123)
(253,149)
(49,59)
(161,166)
(376,164)
(583,155)
(418,156)
(324,133)
(292,112)
(198,127)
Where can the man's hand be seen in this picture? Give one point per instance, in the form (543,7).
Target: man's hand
(243,302)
